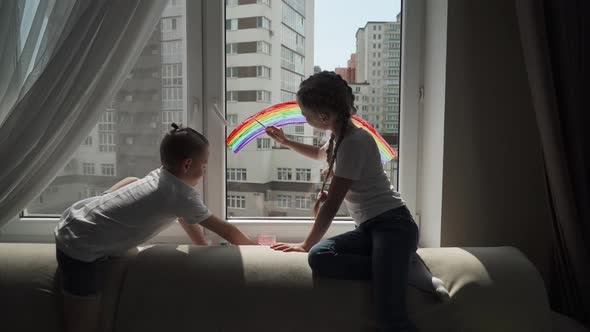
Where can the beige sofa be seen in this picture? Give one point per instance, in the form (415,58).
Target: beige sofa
(190,288)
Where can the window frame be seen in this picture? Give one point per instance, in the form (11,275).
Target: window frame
(205,98)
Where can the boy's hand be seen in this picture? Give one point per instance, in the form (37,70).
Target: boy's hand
(276,134)
(227,231)
(289,247)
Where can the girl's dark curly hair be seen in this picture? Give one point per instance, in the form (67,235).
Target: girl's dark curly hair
(326,91)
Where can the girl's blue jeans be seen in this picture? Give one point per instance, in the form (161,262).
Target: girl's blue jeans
(379,250)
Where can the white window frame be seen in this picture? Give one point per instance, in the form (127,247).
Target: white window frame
(236,202)
(263,96)
(107,169)
(284,201)
(284,174)
(303,174)
(263,143)
(232,119)
(88,168)
(205,98)
(303,202)
(236,174)
(263,71)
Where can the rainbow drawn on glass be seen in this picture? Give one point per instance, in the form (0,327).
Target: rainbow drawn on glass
(289,113)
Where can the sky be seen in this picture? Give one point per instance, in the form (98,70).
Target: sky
(336,23)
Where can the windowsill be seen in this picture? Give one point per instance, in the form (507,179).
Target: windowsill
(40,229)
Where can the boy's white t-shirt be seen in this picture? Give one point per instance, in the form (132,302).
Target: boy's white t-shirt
(120,220)
(371,193)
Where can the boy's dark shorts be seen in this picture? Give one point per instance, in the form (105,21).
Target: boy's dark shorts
(80,278)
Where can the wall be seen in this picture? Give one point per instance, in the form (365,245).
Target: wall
(493,182)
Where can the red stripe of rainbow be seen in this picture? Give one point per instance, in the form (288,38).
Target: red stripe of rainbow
(289,113)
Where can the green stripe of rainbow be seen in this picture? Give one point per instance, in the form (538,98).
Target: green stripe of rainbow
(289,113)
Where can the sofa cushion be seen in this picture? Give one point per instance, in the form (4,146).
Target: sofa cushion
(257,289)
(30,295)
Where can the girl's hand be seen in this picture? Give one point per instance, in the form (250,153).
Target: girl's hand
(276,134)
(289,247)
(325,173)
(322,196)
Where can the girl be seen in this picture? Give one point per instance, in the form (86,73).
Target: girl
(383,246)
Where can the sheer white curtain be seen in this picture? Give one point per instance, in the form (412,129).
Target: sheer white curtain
(61,62)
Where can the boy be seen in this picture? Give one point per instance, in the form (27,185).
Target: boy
(127,215)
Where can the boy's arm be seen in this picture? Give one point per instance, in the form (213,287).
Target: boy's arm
(227,231)
(194,232)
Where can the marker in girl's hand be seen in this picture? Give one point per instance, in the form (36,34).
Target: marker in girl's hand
(260,123)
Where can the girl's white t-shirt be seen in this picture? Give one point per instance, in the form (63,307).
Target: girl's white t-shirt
(371,193)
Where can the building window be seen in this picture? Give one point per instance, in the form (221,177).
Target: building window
(88,168)
(231,96)
(232,119)
(107,121)
(263,47)
(168,117)
(106,131)
(107,169)
(284,174)
(231,24)
(287,96)
(169,24)
(293,19)
(236,174)
(262,22)
(106,142)
(303,174)
(263,96)
(262,71)
(290,81)
(302,202)
(284,201)
(236,202)
(292,61)
(88,141)
(171,47)
(292,39)
(263,143)
(231,48)
(231,72)
(172,74)
(172,98)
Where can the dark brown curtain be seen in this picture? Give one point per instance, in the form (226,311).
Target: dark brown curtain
(555,38)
